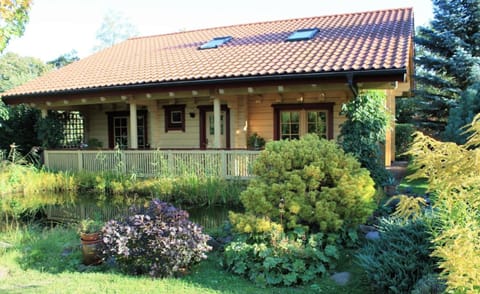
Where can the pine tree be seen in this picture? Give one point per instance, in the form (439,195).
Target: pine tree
(448,54)
(461,115)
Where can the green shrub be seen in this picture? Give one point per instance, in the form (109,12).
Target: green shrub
(158,240)
(403,139)
(399,258)
(281,261)
(429,284)
(307,195)
(309,183)
(255,142)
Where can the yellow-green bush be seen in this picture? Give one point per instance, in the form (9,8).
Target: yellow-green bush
(453,176)
(251,224)
(309,183)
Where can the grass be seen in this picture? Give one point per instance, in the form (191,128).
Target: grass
(49,261)
(416,186)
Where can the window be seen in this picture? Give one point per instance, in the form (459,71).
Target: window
(215,42)
(211,123)
(303,34)
(294,120)
(141,132)
(289,125)
(317,123)
(174,117)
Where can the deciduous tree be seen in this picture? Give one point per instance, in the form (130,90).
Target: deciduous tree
(13,17)
(17,122)
(64,59)
(114,29)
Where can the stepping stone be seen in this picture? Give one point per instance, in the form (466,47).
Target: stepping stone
(341,278)
(373,235)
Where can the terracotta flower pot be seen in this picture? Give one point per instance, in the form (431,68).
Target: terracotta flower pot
(90,236)
(90,248)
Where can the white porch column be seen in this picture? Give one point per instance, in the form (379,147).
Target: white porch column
(216,122)
(133,126)
(44,112)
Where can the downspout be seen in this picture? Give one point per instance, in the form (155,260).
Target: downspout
(353,87)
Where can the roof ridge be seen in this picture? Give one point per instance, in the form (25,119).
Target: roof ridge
(268,21)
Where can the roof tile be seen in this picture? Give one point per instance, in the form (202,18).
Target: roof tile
(346,42)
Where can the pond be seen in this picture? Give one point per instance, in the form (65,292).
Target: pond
(72,207)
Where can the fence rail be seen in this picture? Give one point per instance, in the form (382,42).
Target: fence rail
(148,163)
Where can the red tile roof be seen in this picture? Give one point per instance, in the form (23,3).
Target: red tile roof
(374,40)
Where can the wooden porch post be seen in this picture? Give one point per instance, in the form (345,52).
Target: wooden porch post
(133,126)
(216,122)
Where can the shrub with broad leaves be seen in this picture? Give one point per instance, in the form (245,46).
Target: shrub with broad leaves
(158,240)
(279,260)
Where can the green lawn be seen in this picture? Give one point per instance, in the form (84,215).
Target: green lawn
(49,261)
(417,186)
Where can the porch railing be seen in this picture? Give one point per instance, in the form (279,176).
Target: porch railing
(148,163)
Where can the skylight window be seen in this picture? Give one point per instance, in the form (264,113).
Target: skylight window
(215,42)
(303,34)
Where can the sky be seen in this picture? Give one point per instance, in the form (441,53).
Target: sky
(57,27)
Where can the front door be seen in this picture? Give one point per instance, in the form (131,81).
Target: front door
(119,129)
(211,131)
(207,131)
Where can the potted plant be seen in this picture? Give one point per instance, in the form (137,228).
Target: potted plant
(390,185)
(90,237)
(255,142)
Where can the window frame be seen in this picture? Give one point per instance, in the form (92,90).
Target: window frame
(300,35)
(278,108)
(215,42)
(174,125)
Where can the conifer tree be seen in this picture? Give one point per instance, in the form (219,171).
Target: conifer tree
(448,54)
(462,114)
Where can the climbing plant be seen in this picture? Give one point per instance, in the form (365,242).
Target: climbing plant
(364,131)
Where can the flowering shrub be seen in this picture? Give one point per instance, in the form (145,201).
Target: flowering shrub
(158,240)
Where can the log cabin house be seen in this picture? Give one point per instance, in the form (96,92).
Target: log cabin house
(207,91)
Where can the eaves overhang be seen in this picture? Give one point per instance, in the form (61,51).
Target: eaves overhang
(350,77)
